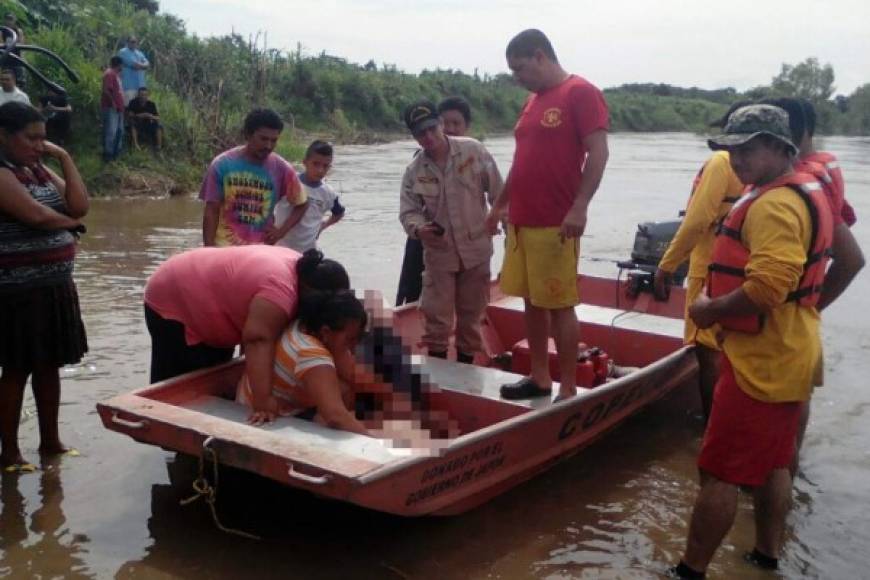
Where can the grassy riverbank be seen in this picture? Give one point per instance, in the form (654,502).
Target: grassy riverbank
(204,86)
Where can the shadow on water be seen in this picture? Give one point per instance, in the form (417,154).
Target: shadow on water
(46,548)
(538,529)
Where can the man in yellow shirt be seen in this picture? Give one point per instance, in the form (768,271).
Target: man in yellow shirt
(714,191)
(765,373)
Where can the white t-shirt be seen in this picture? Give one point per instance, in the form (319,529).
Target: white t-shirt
(15,95)
(303,236)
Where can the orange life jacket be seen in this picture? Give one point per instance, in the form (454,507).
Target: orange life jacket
(825,179)
(826,168)
(730,256)
(831,165)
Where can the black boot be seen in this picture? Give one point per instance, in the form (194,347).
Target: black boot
(437,354)
(464,358)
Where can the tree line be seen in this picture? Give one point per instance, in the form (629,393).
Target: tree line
(204,86)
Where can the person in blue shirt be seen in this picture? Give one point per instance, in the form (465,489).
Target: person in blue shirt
(133,72)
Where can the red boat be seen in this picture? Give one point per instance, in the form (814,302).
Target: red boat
(502,443)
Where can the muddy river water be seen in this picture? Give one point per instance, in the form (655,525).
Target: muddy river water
(617,510)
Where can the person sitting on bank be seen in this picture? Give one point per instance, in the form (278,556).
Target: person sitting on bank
(57,111)
(145,120)
(299,226)
(305,381)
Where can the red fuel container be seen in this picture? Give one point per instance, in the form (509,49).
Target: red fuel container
(521,362)
(600,362)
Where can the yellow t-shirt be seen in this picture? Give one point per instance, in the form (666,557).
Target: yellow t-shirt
(777,364)
(707,206)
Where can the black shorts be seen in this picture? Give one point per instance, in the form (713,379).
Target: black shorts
(171,355)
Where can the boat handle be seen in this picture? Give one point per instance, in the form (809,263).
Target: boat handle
(127,423)
(312,479)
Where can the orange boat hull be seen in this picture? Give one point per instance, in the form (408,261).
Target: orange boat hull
(503,443)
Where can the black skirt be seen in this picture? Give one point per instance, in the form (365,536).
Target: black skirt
(41,327)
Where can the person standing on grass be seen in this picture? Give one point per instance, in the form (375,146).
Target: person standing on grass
(112,110)
(135,63)
(9,91)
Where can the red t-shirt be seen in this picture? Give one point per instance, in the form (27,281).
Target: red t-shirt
(549,156)
(843,212)
(112,97)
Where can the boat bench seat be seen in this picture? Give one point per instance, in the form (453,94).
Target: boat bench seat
(474,380)
(302,432)
(605,316)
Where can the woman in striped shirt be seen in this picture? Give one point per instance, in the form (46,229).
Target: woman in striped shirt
(305,382)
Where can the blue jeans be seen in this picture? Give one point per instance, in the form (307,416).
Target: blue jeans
(113,133)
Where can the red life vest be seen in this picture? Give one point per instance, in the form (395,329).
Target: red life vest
(730,256)
(822,162)
(831,165)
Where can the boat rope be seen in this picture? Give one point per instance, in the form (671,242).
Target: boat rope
(208,491)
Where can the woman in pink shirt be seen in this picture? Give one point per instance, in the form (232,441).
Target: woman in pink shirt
(201,303)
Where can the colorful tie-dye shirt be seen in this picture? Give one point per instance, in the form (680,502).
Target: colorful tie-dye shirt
(248,192)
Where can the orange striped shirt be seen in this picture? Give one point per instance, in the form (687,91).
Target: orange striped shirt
(295,354)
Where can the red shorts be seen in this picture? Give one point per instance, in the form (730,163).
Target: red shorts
(746,439)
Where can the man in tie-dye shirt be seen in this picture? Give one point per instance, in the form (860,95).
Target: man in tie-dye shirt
(243,185)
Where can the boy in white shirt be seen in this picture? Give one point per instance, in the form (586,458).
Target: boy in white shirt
(297,229)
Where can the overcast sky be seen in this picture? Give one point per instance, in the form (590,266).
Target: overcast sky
(739,43)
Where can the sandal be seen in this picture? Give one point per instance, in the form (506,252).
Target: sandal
(20,468)
(560,398)
(525,388)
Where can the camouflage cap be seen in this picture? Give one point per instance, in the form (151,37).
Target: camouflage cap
(749,122)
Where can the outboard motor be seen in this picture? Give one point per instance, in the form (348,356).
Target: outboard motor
(650,243)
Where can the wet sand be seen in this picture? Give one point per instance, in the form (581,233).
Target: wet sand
(617,510)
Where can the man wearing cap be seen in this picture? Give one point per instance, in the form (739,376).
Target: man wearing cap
(561,152)
(443,203)
(765,278)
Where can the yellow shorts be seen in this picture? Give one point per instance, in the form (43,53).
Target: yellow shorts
(692,334)
(539,266)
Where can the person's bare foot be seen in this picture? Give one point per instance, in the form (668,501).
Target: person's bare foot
(12,459)
(53,448)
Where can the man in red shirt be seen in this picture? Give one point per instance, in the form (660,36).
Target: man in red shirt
(561,152)
(112,110)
